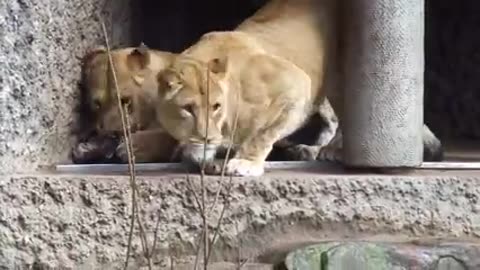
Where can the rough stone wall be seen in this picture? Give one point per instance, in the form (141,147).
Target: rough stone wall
(40,45)
(67,220)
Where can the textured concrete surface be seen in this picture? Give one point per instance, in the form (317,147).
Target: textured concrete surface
(40,46)
(383,83)
(72,220)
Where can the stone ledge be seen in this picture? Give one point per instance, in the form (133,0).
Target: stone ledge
(60,220)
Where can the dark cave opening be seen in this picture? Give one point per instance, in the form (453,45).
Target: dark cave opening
(174,25)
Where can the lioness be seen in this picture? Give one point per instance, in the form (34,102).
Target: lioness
(273,83)
(271,74)
(136,70)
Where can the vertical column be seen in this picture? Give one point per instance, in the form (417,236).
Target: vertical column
(383,69)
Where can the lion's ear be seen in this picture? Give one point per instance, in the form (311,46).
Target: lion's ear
(218,65)
(169,83)
(139,58)
(92,54)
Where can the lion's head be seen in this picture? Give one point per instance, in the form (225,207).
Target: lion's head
(133,73)
(193,112)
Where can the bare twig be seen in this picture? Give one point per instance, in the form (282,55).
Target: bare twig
(195,195)
(198,249)
(202,178)
(219,221)
(204,240)
(155,236)
(131,158)
(227,156)
(217,195)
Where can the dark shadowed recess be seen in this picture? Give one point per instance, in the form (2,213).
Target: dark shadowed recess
(452,76)
(174,25)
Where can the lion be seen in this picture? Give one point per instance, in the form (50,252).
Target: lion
(253,86)
(249,72)
(136,68)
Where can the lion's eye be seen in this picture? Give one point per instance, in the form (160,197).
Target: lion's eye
(126,103)
(188,108)
(216,107)
(97,104)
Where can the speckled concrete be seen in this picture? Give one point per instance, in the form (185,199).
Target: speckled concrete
(66,220)
(40,46)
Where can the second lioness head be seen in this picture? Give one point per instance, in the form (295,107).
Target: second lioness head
(133,75)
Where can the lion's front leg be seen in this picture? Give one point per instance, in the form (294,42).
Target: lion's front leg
(333,151)
(326,134)
(279,95)
(250,158)
(149,146)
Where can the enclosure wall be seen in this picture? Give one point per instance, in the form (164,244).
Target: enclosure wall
(40,50)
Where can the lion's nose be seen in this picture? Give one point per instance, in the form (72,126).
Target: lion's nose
(207,140)
(197,153)
(202,140)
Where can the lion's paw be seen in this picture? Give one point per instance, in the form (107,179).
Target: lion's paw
(326,137)
(302,152)
(330,153)
(141,155)
(121,152)
(98,149)
(243,167)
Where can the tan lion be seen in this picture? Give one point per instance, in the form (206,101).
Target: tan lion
(136,70)
(272,72)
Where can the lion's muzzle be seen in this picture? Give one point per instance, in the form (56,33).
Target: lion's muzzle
(196,152)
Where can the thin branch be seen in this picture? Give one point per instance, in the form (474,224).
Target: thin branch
(217,195)
(227,156)
(195,195)
(155,236)
(220,219)
(198,248)
(202,177)
(125,134)
(131,158)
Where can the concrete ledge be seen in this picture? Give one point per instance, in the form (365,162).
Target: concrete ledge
(57,220)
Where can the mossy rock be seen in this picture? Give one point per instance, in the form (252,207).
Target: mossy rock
(384,256)
(340,256)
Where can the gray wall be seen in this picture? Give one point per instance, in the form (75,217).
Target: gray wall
(40,46)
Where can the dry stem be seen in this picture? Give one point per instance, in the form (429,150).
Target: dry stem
(131,158)
(201,202)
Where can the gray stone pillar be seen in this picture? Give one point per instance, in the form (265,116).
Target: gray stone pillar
(384,64)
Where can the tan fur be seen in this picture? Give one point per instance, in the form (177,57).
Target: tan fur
(270,71)
(136,70)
